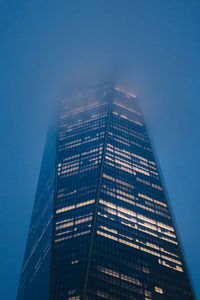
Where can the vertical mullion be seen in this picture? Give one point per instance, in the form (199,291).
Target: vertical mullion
(89,254)
(54,206)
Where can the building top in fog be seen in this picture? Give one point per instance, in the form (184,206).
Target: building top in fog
(101,226)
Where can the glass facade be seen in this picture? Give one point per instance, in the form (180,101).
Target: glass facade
(111,234)
(35,274)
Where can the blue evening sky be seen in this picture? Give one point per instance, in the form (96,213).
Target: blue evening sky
(153,48)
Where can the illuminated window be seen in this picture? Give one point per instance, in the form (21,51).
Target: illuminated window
(158,290)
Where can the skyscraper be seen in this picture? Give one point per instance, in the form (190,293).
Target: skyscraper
(101,226)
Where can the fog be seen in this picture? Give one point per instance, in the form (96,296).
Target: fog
(150,48)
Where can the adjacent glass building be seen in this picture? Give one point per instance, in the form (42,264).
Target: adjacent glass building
(101,226)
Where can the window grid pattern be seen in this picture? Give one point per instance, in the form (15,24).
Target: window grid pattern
(136,254)
(101,226)
(35,274)
(81,134)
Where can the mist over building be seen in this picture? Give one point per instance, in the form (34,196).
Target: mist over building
(101,225)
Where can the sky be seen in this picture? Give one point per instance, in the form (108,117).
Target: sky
(153,49)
